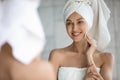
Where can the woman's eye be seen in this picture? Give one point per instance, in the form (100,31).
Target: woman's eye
(80,22)
(68,23)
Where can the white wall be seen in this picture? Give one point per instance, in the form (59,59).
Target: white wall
(52,19)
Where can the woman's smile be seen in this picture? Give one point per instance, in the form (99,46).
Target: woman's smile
(76,34)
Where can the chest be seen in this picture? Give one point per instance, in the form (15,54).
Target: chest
(74,60)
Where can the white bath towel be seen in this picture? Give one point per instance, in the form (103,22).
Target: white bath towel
(21,27)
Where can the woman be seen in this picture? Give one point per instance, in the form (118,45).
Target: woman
(85,58)
(21,42)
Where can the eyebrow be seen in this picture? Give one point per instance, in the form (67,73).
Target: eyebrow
(68,20)
(77,19)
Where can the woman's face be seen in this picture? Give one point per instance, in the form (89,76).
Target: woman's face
(76,27)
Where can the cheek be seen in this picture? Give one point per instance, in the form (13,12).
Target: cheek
(84,28)
(69,30)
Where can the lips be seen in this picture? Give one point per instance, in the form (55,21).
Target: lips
(76,34)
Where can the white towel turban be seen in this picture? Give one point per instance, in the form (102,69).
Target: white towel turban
(96,14)
(21,27)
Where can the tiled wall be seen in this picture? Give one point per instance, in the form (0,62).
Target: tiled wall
(56,37)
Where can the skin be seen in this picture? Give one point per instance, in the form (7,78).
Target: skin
(11,69)
(82,52)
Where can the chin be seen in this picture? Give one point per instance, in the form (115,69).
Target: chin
(77,40)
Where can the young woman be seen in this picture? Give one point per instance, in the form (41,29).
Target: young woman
(85,58)
(21,42)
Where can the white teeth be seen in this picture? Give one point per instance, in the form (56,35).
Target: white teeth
(76,34)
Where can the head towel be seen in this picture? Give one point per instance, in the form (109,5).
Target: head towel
(96,14)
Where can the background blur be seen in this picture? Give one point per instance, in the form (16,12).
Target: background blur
(56,37)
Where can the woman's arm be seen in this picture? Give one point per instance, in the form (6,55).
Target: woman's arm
(54,59)
(107,67)
(106,70)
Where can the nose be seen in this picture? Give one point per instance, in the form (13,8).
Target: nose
(75,27)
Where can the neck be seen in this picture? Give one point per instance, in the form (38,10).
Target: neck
(80,47)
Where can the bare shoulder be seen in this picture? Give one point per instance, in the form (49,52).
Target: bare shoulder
(57,57)
(107,67)
(106,57)
(56,54)
(57,51)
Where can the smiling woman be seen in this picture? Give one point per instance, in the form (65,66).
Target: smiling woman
(85,58)
(76,26)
